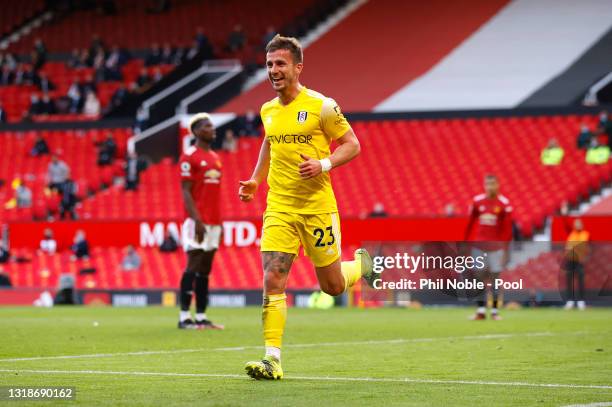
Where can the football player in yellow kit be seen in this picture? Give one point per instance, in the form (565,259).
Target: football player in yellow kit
(295,156)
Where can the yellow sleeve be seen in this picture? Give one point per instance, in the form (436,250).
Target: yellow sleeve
(333,122)
(261,117)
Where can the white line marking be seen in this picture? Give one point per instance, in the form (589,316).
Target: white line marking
(602,404)
(315,378)
(295,345)
(393,341)
(104,355)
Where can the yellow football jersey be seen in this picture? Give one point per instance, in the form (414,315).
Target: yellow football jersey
(306,126)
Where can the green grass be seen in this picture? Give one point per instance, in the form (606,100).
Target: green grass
(569,348)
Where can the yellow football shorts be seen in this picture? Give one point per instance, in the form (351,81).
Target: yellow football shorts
(319,234)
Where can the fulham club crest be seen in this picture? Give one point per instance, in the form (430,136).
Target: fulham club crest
(302,115)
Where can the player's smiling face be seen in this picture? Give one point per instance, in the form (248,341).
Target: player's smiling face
(283,72)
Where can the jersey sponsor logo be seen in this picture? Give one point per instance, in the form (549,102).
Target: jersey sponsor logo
(302,116)
(290,138)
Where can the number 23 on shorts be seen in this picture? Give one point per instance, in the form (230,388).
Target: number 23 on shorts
(324,237)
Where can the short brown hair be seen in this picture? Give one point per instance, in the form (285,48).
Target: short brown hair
(291,44)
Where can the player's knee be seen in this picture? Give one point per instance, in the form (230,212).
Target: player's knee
(190,271)
(273,281)
(332,288)
(187,280)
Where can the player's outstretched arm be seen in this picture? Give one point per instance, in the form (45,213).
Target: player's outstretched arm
(247,189)
(348,148)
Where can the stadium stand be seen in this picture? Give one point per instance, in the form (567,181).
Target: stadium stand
(603,207)
(542,273)
(430,163)
(12,17)
(480,73)
(452,55)
(77,148)
(239,269)
(158,197)
(16,98)
(134,32)
(416,166)
(408,26)
(135,29)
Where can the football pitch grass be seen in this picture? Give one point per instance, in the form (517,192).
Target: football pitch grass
(370,357)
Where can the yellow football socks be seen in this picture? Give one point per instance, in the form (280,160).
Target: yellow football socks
(274,317)
(351,271)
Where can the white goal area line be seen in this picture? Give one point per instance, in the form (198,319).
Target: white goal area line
(295,345)
(314,378)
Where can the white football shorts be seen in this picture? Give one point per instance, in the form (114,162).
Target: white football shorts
(211,241)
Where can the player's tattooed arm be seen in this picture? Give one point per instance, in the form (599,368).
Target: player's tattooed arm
(277,262)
